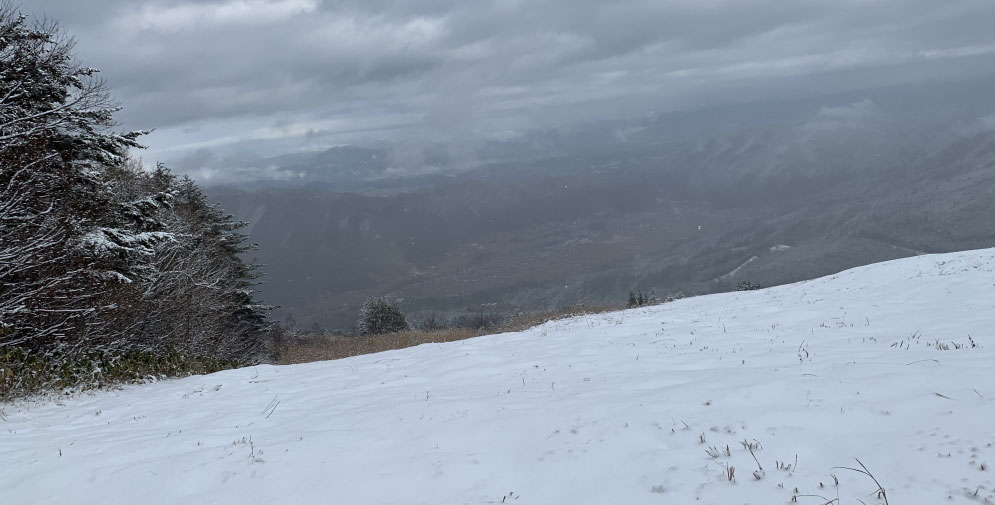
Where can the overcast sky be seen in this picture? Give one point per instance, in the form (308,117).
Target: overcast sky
(279,75)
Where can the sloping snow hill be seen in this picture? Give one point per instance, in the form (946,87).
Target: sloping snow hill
(891,364)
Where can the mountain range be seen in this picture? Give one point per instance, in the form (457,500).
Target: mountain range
(685,202)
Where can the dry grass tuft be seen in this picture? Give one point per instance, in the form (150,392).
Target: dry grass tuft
(310,348)
(306,348)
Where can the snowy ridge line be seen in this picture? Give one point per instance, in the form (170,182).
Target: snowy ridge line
(780,395)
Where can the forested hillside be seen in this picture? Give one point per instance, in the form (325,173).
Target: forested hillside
(691,202)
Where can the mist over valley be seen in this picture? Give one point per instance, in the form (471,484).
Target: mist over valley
(687,202)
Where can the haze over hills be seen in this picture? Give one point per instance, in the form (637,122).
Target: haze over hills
(496,156)
(691,201)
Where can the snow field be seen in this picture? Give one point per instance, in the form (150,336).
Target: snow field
(890,363)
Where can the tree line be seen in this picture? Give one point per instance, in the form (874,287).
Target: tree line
(103,263)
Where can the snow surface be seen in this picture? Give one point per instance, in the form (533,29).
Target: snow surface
(600,409)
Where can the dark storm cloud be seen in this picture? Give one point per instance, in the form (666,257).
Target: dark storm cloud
(211,73)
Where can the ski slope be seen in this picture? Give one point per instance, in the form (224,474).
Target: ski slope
(874,363)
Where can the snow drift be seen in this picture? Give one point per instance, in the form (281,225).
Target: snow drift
(891,364)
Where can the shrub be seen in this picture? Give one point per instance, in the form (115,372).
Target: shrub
(24,373)
(674,296)
(748,286)
(641,299)
(380,316)
(433,321)
(478,321)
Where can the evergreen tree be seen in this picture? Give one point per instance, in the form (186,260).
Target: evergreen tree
(98,255)
(203,289)
(67,243)
(748,286)
(379,316)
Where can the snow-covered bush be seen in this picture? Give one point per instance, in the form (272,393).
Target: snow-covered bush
(640,299)
(748,286)
(379,316)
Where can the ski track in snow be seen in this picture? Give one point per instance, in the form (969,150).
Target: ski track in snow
(600,409)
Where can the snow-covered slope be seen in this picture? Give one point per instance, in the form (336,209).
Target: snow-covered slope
(875,363)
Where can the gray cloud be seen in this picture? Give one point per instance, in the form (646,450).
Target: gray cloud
(296,73)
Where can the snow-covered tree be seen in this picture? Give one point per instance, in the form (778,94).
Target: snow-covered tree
(64,240)
(748,286)
(45,95)
(203,286)
(96,253)
(380,316)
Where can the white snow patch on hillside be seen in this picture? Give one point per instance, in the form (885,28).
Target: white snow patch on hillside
(602,409)
(740,267)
